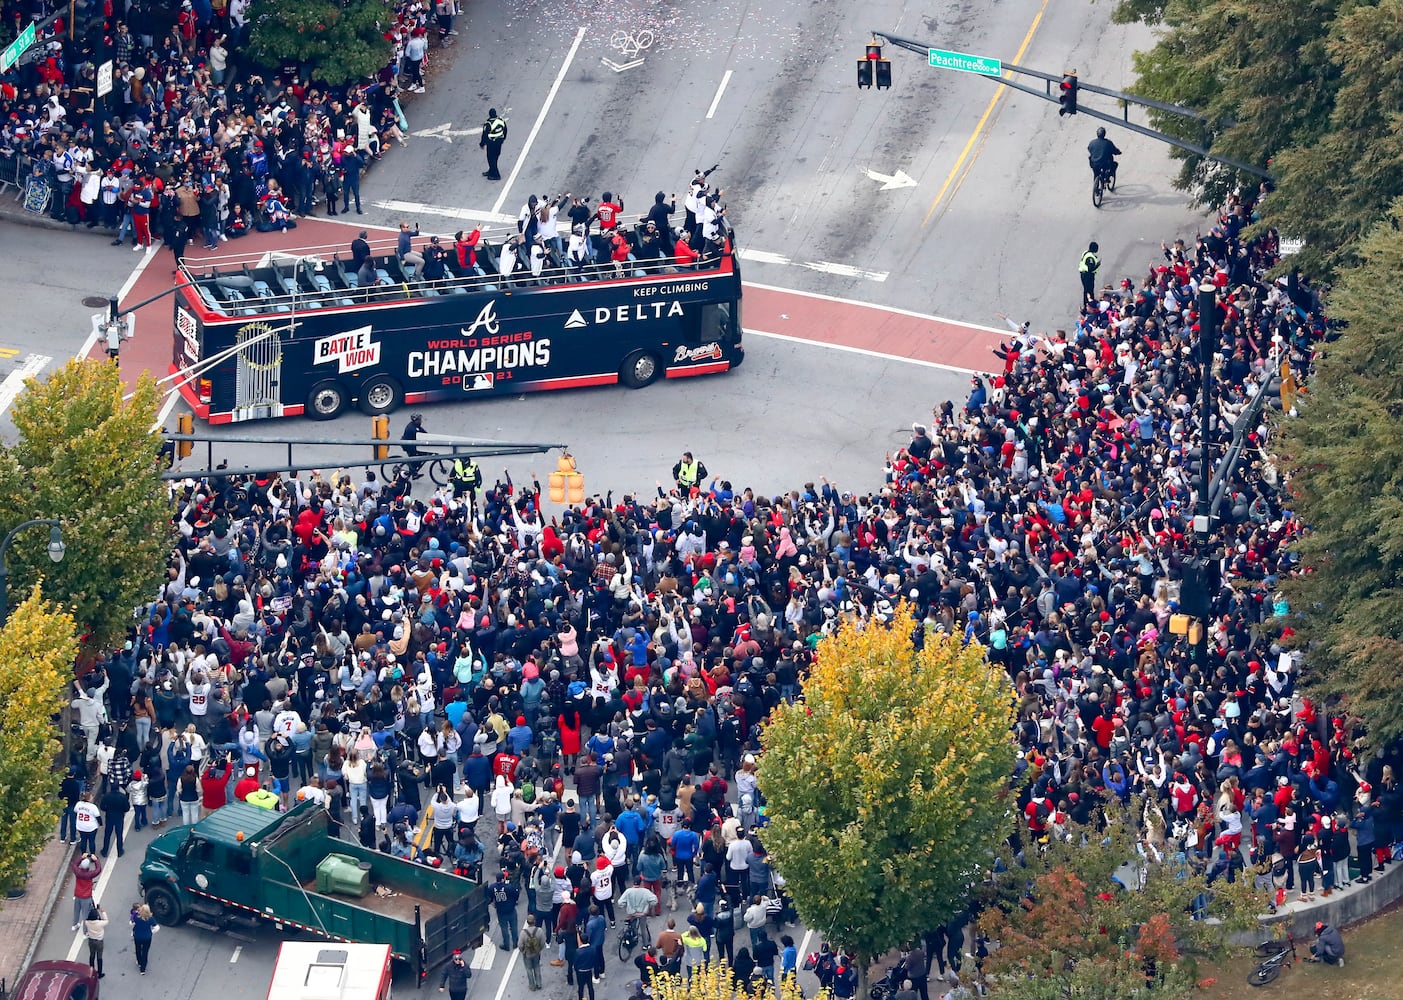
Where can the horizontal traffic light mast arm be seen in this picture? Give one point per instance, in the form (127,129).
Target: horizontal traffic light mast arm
(1125,123)
(422,441)
(918,47)
(423,456)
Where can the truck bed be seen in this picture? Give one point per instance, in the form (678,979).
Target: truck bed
(399,906)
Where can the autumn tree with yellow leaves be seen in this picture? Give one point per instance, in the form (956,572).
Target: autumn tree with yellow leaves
(88,457)
(889,786)
(37,647)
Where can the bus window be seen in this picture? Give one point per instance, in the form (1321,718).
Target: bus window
(716,323)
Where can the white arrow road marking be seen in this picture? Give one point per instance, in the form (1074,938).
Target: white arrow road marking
(446,132)
(621,67)
(890,182)
(418,207)
(822,266)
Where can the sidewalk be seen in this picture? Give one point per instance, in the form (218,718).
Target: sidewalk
(22,920)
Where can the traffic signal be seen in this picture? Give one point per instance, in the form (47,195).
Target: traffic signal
(883,74)
(1067,96)
(184,424)
(1200,587)
(380,430)
(864,73)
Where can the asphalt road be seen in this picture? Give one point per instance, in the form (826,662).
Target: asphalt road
(43,321)
(1000,208)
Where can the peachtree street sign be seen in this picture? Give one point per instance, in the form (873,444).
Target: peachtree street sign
(965,63)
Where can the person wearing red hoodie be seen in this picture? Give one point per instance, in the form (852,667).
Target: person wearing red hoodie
(248,783)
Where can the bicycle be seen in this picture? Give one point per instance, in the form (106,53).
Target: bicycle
(683,889)
(1277,954)
(1102,180)
(440,470)
(634,933)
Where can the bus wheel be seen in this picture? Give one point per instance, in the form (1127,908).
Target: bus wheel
(327,401)
(640,368)
(380,395)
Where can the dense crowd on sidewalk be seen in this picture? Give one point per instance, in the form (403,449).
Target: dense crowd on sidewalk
(597,679)
(193,138)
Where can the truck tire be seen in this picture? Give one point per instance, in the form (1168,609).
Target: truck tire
(165,908)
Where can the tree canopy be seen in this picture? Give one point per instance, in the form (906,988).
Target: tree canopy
(1083,915)
(88,458)
(344,42)
(1345,455)
(37,647)
(1309,88)
(889,786)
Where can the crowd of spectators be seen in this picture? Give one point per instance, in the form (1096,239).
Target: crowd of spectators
(215,144)
(601,675)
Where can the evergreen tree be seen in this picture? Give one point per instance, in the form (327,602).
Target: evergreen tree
(1345,455)
(343,41)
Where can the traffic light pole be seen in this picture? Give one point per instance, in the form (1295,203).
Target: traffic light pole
(1126,100)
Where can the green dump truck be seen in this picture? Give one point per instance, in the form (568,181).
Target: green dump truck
(243,863)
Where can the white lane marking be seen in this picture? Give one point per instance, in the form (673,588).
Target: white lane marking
(861,350)
(804,946)
(715,101)
(540,120)
(1002,332)
(100,891)
(237,952)
(822,266)
(419,208)
(486,955)
(171,399)
(14,382)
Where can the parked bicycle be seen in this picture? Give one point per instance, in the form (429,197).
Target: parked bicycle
(1276,954)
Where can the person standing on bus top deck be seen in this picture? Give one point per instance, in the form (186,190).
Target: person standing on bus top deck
(494,133)
(661,214)
(360,249)
(688,472)
(696,191)
(412,430)
(580,219)
(524,217)
(467,249)
(608,213)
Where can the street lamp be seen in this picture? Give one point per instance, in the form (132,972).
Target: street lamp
(56,550)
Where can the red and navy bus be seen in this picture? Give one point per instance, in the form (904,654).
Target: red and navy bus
(297,332)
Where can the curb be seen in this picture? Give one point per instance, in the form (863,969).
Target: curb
(48,903)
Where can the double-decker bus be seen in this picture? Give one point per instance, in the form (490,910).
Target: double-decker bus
(298,332)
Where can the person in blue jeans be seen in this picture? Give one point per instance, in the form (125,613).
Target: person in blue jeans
(505,894)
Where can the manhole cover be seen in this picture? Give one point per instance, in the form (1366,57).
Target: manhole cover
(94,302)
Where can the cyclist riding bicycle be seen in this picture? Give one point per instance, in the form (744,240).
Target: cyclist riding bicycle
(1102,153)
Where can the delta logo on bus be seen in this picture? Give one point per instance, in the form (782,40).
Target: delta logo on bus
(351,350)
(481,355)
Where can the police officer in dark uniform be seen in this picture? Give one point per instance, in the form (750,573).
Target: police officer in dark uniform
(494,133)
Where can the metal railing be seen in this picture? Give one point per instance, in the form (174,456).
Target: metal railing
(242,275)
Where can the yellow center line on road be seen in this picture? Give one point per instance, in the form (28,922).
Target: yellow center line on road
(984,119)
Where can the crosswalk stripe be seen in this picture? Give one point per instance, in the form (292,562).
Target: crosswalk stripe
(9,352)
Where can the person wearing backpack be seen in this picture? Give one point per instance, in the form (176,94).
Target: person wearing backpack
(533,942)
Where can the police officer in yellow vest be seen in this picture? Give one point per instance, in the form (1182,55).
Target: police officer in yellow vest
(1090,264)
(688,473)
(494,133)
(466,478)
